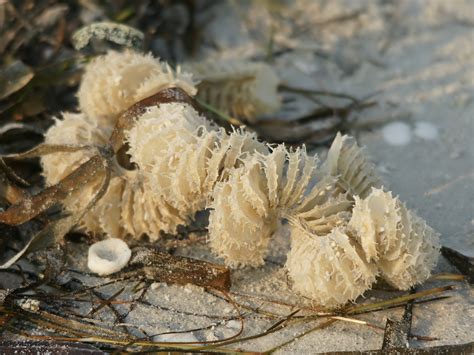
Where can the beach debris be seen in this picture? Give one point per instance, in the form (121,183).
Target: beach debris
(464,263)
(113,82)
(158,266)
(330,270)
(14,77)
(239,88)
(149,167)
(108,256)
(114,32)
(350,165)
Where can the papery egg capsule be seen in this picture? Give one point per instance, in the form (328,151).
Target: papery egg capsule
(330,270)
(113,82)
(349,163)
(404,248)
(239,88)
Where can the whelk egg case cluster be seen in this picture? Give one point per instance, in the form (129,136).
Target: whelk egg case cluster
(345,229)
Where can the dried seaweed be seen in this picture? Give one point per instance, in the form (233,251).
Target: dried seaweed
(75,328)
(13,78)
(463,263)
(117,33)
(397,332)
(154,265)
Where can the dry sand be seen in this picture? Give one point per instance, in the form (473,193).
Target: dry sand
(419,55)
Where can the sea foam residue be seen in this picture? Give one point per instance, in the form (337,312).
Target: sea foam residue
(397,133)
(400,133)
(425,130)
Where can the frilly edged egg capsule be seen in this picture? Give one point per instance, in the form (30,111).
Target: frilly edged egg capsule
(239,88)
(241,223)
(247,207)
(113,82)
(344,230)
(349,163)
(330,270)
(404,248)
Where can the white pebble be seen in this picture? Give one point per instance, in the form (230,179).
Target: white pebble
(397,133)
(108,256)
(426,130)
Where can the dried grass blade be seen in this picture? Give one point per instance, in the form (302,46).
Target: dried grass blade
(322,325)
(397,300)
(450,277)
(44,149)
(46,347)
(282,321)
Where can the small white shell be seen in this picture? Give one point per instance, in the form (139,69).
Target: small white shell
(349,163)
(330,270)
(113,82)
(404,247)
(240,88)
(108,256)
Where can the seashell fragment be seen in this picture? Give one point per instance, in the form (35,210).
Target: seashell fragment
(349,163)
(113,82)
(404,248)
(330,270)
(108,256)
(239,88)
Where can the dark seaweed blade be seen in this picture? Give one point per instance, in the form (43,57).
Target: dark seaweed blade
(30,207)
(397,332)
(465,264)
(127,119)
(98,167)
(14,77)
